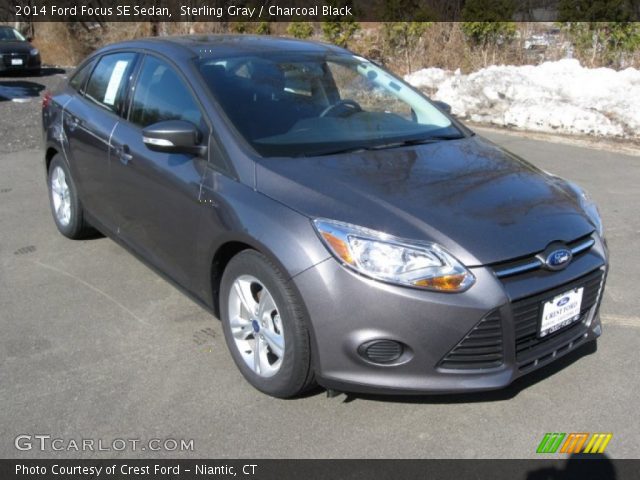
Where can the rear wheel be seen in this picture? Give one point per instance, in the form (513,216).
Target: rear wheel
(265,326)
(65,205)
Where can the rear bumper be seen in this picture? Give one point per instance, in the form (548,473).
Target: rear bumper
(348,310)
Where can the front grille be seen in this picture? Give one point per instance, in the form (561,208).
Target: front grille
(480,348)
(526,315)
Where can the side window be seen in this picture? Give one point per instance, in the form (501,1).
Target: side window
(79,78)
(161,95)
(106,86)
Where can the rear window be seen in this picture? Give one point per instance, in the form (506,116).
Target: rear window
(106,86)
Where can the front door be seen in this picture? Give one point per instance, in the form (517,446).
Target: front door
(158,193)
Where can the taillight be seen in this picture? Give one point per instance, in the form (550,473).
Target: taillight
(46,99)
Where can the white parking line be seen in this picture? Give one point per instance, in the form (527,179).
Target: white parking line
(92,287)
(621,320)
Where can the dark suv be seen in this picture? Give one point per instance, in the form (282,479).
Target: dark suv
(17,53)
(344,228)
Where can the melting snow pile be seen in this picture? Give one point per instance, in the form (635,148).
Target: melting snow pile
(557,96)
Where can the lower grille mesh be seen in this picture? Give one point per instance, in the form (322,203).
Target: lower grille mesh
(383,351)
(526,313)
(480,348)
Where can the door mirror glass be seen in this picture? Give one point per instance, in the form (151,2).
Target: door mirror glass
(173,136)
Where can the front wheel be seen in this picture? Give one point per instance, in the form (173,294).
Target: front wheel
(265,326)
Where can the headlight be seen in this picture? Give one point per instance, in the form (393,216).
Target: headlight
(589,207)
(33,52)
(384,257)
(587,204)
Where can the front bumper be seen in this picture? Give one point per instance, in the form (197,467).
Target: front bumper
(348,311)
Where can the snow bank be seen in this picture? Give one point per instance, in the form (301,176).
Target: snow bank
(557,96)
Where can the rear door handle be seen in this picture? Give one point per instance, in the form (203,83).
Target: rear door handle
(73,122)
(124,154)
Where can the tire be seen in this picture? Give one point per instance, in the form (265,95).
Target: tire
(62,194)
(291,373)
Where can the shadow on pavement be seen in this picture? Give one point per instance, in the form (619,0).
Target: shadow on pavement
(44,72)
(17,90)
(48,71)
(578,466)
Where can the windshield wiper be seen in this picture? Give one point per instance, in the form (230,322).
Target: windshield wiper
(414,141)
(321,153)
(381,146)
(430,139)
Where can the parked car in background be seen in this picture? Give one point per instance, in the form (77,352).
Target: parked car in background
(345,229)
(17,53)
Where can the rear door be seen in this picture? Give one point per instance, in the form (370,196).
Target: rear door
(158,203)
(89,120)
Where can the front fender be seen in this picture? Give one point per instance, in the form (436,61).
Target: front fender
(235,212)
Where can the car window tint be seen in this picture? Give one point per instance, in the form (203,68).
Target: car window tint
(371,97)
(78,80)
(161,95)
(7,33)
(106,85)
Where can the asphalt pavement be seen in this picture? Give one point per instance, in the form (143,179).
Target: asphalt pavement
(94,345)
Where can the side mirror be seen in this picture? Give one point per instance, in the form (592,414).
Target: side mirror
(174,136)
(445,107)
(29,39)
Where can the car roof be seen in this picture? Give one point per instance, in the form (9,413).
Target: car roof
(225,45)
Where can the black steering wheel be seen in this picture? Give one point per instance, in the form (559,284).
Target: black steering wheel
(348,107)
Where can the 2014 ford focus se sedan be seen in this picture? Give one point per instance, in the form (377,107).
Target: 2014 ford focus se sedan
(345,229)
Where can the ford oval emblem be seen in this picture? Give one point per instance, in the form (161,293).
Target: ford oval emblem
(563,301)
(558,259)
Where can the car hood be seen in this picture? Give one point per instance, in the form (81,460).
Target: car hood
(481,202)
(14,47)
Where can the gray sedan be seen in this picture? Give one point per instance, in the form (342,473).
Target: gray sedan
(346,230)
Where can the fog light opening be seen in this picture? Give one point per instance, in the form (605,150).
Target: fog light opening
(382,352)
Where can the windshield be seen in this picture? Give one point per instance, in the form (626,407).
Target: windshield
(10,34)
(293,104)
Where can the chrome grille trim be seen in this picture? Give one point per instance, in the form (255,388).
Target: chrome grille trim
(525,267)
(581,247)
(534,263)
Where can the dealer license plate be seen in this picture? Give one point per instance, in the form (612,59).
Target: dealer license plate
(560,312)
(16,61)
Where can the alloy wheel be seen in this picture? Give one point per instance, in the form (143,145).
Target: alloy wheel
(256,326)
(61,196)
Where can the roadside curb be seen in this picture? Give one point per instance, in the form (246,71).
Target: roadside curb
(628,147)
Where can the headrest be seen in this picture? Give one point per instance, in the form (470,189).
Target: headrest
(268,74)
(213,74)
